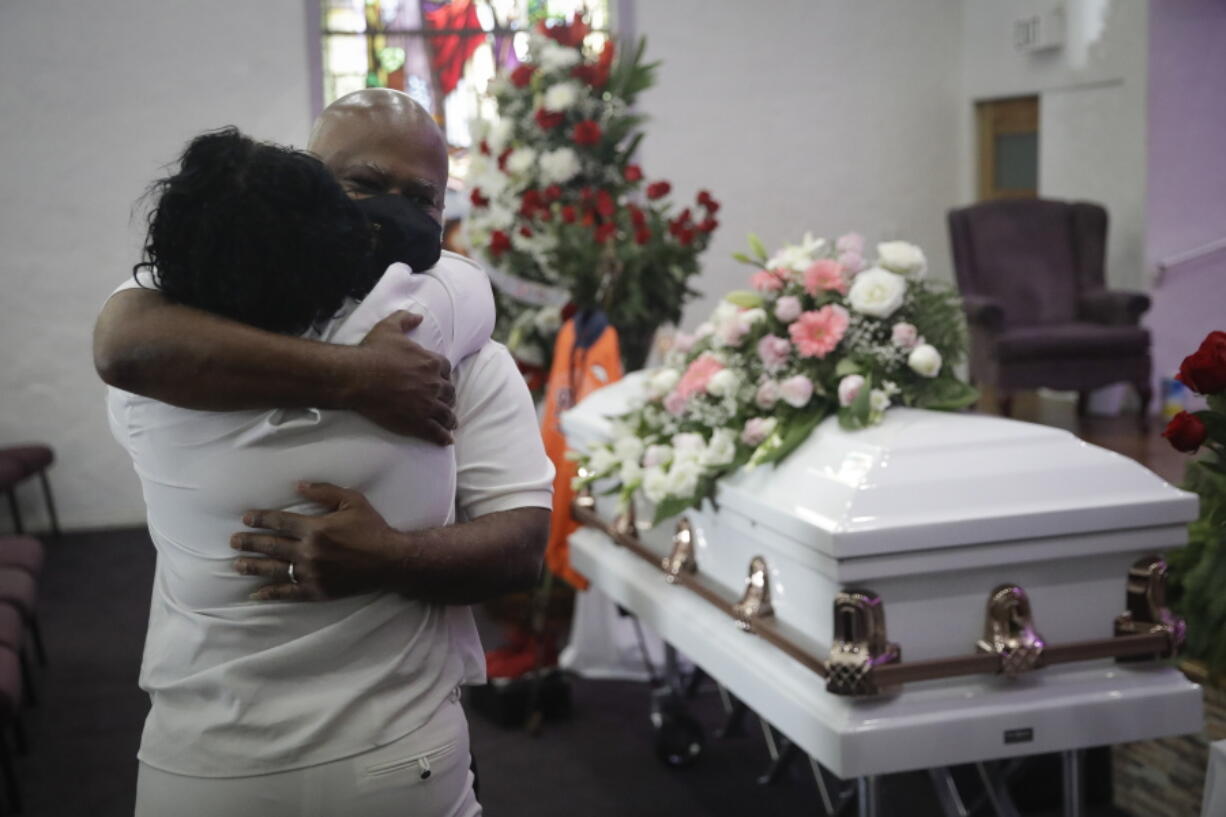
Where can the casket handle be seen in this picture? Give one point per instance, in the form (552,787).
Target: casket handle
(626,523)
(859,645)
(1146,612)
(1009,631)
(755,602)
(682,559)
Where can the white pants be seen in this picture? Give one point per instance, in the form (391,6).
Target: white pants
(424,774)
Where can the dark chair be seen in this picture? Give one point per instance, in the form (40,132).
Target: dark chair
(19,589)
(31,459)
(1032,277)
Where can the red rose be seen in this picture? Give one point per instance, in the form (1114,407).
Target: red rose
(1204,371)
(587,74)
(586,132)
(552,193)
(1185,432)
(522,75)
(500,242)
(642,235)
(530,203)
(478,199)
(548,120)
(708,201)
(686,237)
(636,215)
(604,203)
(605,231)
(568,214)
(632,173)
(708,225)
(658,190)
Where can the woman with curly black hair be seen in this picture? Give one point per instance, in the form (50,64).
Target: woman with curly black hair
(348,705)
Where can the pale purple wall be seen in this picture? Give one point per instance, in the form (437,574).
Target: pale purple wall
(1186,199)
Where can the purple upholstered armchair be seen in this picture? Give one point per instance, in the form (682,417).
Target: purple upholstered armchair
(1032,280)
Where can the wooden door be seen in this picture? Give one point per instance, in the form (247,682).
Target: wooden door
(1008,147)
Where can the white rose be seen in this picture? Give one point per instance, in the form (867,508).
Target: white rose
(655,484)
(630,472)
(560,97)
(657,455)
(723,383)
(628,448)
(601,461)
(878,401)
(557,166)
(553,56)
(688,446)
(520,161)
(877,292)
(902,257)
(683,478)
(722,448)
(662,382)
(925,360)
(849,389)
(548,320)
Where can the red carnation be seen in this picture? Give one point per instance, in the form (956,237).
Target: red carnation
(586,132)
(1186,432)
(605,231)
(632,173)
(658,190)
(552,193)
(568,214)
(548,120)
(604,203)
(500,242)
(1204,371)
(522,75)
(708,225)
(642,235)
(478,199)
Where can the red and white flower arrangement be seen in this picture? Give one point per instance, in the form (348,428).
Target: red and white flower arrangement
(821,331)
(560,210)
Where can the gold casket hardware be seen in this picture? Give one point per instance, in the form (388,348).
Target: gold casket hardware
(585,499)
(1009,631)
(682,559)
(755,603)
(626,523)
(859,645)
(1146,612)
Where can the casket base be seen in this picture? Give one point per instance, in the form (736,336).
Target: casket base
(932,724)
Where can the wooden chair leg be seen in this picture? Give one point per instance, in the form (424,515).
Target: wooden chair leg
(55,519)
(15,511)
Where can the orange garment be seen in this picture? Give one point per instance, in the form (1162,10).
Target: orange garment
(585,358)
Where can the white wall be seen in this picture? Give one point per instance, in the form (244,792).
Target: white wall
(96,97)
(1092,109)
(820,115)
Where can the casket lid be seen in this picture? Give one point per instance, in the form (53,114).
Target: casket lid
(925,479)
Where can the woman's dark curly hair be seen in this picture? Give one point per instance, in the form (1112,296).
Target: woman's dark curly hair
(256,232)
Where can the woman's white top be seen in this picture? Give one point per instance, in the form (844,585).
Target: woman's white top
(240,687)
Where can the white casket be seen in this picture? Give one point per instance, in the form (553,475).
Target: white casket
(923,517)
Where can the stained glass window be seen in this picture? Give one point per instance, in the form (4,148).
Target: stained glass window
(443,54)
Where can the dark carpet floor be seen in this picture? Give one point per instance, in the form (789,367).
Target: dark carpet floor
(597,763)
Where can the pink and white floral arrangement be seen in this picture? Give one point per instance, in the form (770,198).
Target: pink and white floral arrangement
(821,331)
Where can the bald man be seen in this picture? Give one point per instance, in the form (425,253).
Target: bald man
(377,142)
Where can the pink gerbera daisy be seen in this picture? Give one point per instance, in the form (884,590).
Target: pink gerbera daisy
(817,333)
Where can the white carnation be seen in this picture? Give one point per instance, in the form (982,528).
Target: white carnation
(902,257)
(877,292)
(499,135)
(520,161)
(688,446)
(557,166)
(655,484)
(722,448)
(552,56)
(561,97)
(925,360)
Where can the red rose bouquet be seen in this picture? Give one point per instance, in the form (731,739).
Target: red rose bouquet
(1199,570)
(560,212)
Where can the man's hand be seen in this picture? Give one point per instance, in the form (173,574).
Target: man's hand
(340,553)
(404,387)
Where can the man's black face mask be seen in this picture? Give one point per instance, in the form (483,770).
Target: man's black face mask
(403,232)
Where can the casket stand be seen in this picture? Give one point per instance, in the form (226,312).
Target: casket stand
(879,596)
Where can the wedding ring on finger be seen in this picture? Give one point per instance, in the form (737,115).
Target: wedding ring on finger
(292,580)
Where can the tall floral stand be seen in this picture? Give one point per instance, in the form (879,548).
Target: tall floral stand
(1166,777)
